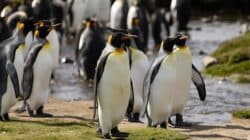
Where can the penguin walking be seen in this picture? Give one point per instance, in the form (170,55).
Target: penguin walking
(185,73)
(118,14)
(89,49)
(159,86)
(112,81)
(37,72)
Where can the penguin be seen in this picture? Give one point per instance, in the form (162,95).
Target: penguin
(118,14)
(160,85)
(185,73)
(162,9)
(89,49)
(137,11)
(139,65)
(42,9)
(112,79)
(38,68)
(16,42)
(13,46)
(181,10)
(137,30)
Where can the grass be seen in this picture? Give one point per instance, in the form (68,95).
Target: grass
(242,114)
(233,58)
(60,130)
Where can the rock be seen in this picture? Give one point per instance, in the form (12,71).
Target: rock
(208,61)
(201,52)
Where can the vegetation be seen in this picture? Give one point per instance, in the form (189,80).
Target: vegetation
(242,114)
(233,59)
(61,130)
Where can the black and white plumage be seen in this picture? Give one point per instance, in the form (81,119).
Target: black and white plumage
(112,70)
(118,14)
(89,49)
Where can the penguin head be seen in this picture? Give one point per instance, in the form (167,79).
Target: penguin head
(180,40)
(26,25)
(90,23)
(117,39)
(42,29)
(168,45)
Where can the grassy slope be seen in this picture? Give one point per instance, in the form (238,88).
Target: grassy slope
(56,129)
(233,57)
(242,114)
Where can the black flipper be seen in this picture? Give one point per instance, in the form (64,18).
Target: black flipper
(98,75)
(27,81)
(149,78)
(131,100)
(11,70)
(199,83)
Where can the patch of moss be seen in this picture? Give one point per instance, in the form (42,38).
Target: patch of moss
(242,114)
(233,58)
(60,130)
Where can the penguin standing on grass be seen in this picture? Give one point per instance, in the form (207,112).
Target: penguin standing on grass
(160,86)
(185,73)
(89,49)
(112,81)
(37,72)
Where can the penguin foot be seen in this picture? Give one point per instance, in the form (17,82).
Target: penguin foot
(163,125)
(107,136)
(116,133)
(6,117)
(40,113)
(180,123)
(44,115)
(134,117)
(99,131)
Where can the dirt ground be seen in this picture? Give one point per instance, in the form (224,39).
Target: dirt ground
(237,129)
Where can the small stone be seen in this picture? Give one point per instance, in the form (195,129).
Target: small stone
(209,61)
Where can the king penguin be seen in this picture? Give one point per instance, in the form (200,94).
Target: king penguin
(139,65)
(89,49)
(9,83)
(185,73)
(37,72)
(159,86)
(118,14)
(112,79)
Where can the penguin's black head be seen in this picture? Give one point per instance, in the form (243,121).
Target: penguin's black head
(168,45)
(42,29)
(26,25)
(180,40)
(118,38)
(90,23)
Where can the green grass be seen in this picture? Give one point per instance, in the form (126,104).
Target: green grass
(233,58)
(60,130)
(242,114)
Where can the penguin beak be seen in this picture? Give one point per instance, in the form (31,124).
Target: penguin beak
(184,37)
(127,36)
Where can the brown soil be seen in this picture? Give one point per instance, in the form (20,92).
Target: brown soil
(237,129)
